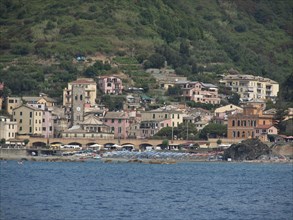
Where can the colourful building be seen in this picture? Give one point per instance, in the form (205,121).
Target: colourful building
(251,87)
(110,85)
(244,125)
(199,92)
(119,123)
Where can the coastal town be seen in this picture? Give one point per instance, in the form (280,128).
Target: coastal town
(41,125)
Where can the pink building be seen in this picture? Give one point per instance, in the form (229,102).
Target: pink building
(200,92)
(262,131)
(47,120)
(119,123)
(110,85)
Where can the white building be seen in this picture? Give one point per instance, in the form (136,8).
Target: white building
(8,128)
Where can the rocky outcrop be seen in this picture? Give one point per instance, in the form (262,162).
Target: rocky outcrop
(251,149)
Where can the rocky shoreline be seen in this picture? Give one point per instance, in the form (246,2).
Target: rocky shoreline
(125,160)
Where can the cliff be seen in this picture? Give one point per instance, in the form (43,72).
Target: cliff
(251,149)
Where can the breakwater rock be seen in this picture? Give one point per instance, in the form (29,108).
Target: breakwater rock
(251,149)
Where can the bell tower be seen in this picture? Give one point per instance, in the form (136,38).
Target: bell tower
(78,100)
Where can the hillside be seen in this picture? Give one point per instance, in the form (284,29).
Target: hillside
(39,41)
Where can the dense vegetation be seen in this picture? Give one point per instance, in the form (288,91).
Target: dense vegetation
(40,41)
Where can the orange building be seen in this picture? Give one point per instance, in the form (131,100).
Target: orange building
(244,125)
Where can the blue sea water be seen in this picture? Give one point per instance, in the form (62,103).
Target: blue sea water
(93,190)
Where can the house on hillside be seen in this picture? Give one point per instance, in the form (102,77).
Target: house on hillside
(251,87)
(199,92)
(110,85)
(221,114)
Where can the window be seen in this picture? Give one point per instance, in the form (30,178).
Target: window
(44,128)
(119,130)
(166,116)
(233,123)
(154,116)
(20,128)
(119,120)
(264,122)
(31,114)
(113,120)
(20,120)
(20,113)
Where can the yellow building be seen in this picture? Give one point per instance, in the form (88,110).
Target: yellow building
(90,87)
(251,87)
(29,120)
(12,103)
(176,117)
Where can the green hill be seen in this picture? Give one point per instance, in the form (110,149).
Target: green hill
(39,40)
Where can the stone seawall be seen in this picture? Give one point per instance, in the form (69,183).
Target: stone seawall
(4,152)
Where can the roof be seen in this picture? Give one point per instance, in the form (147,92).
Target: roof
(29,107)
(209,85)
(230,107)
(48,99)
(84,81)
(31,98)
(115,115)
(92,120)
(248,78)
(264,126)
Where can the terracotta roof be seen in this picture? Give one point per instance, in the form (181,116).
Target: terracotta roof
(115,115)
(264,126)
(83,81)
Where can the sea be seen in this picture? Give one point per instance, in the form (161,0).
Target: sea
(187,191)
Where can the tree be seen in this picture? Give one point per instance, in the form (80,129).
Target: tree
(214,130)
(155,61)
(219,141)
(165,132)
(174,91)
(234,98)
(184,49)
(186,131)
(165,143)
(26,141)
(2,141)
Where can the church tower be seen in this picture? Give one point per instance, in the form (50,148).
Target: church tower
(77,111)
